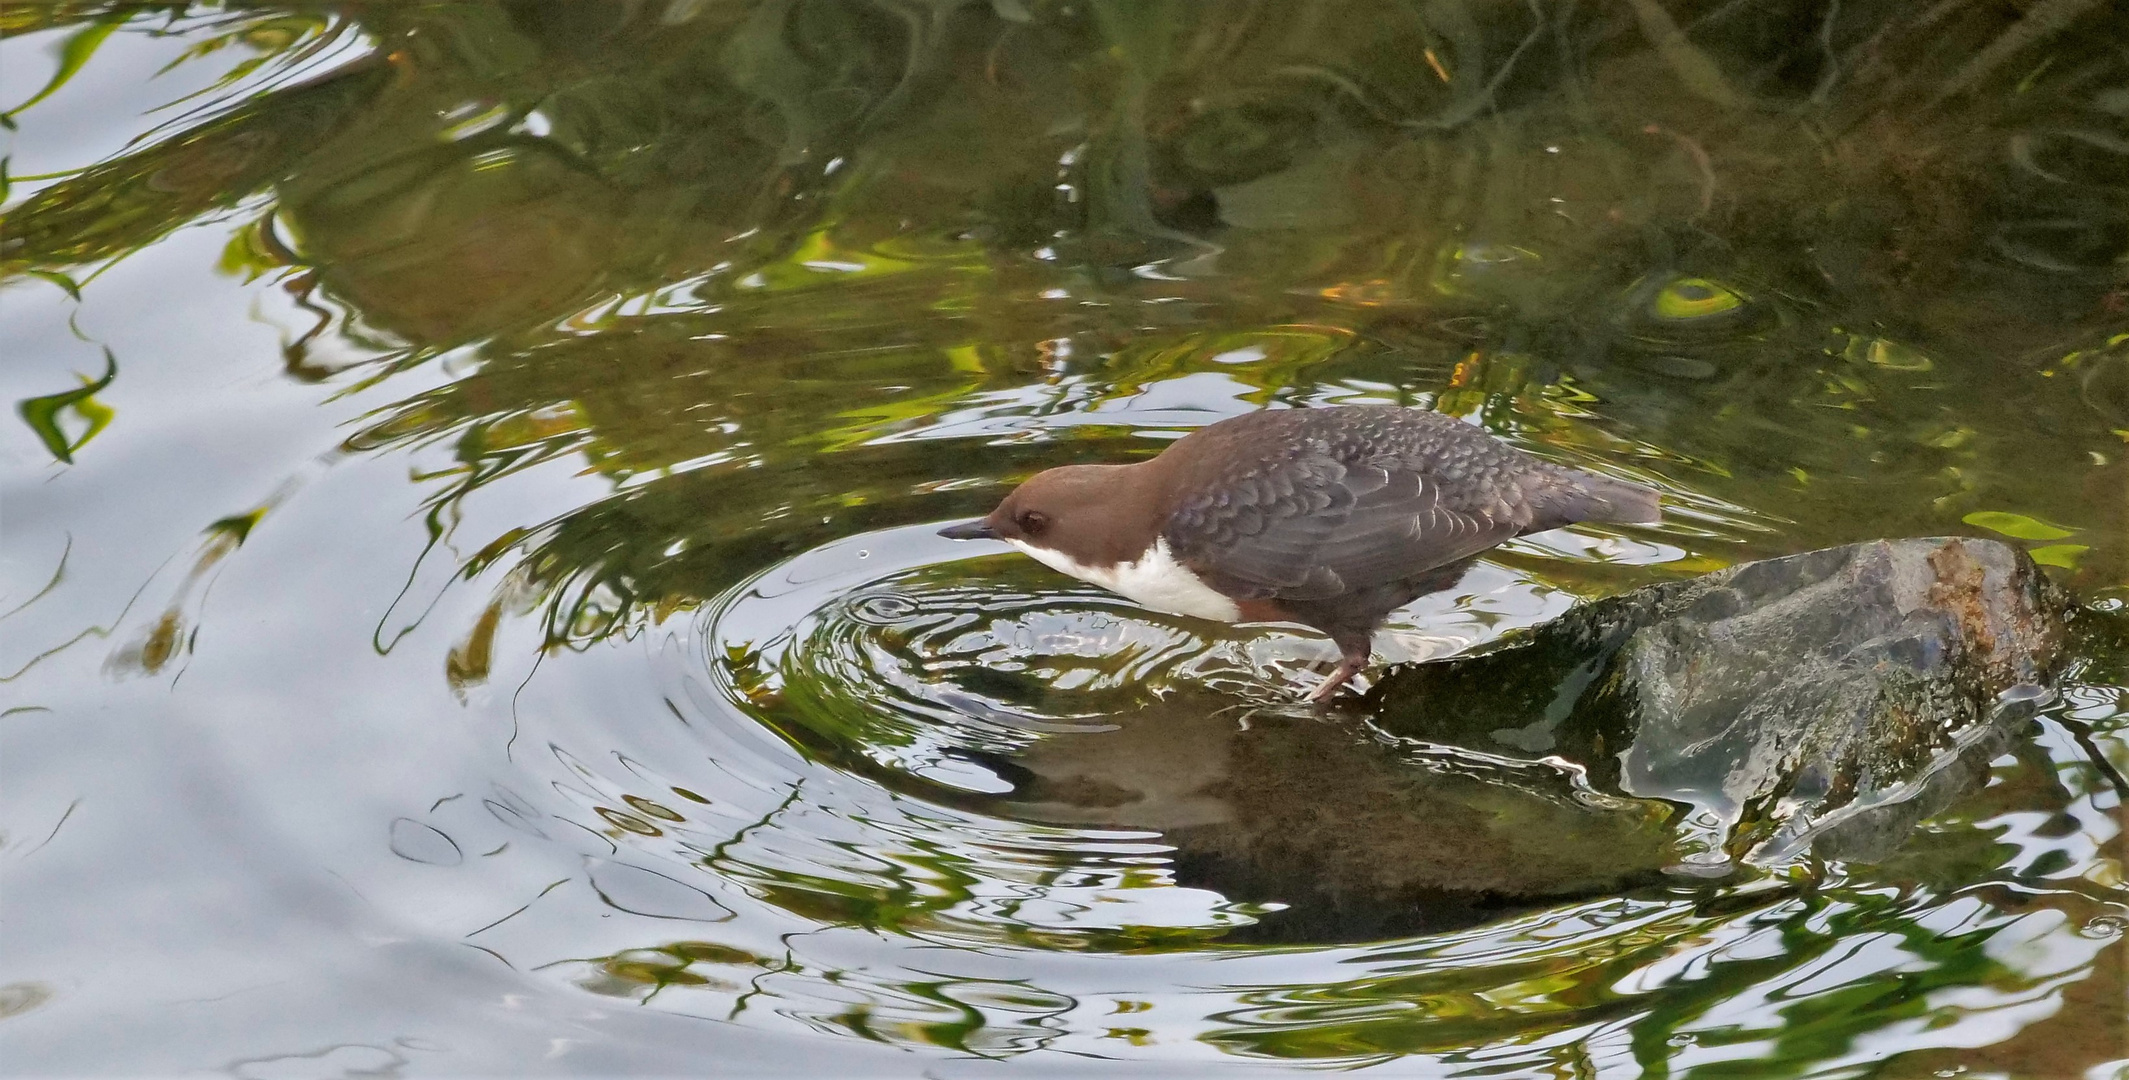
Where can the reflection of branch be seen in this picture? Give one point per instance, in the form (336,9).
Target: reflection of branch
(539,656)
(717,854)
(1832,74)
(92,631)
(1344,84)
(74,52)
(55,829)
(925,30)
(439,536)
(300,288)
(491,952)
(1701,162)
(1702,78)
(1476,103)
(2041,22)
(2081,734)
(521,910)
(58,574)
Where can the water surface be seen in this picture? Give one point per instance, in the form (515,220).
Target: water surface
(471,600)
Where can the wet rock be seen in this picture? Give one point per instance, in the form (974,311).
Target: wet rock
(1824,701)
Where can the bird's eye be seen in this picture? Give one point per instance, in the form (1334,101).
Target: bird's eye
(1032,522)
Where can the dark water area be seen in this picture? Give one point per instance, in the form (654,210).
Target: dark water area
(470,599)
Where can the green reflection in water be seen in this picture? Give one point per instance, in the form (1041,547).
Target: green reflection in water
(46,415)
(783,273)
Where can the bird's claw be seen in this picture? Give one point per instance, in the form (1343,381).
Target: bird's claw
(1331,683)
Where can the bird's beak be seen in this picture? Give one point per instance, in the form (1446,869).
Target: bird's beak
(969,530)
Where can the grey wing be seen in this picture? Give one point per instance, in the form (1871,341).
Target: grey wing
(1314,528)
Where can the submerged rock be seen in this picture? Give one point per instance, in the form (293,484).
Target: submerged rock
(1823,701)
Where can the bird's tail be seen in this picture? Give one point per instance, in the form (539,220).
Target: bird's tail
(1586,497)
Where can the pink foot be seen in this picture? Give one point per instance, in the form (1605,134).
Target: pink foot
(1356,658)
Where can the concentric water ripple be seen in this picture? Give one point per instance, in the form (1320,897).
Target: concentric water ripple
(1002,812)
(491,741)
(906,638)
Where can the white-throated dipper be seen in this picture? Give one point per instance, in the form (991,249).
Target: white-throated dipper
(1331,517)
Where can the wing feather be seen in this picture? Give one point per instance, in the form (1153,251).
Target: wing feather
(1312,527)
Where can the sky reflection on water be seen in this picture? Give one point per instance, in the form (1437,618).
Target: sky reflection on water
(488,621)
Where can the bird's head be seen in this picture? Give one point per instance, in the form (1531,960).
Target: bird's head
(1094,513)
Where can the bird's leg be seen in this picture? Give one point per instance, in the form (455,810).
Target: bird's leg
(1356,652)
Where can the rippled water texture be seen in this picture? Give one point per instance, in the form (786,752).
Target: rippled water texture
(472,601)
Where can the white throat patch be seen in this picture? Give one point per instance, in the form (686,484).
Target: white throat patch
(1155,580)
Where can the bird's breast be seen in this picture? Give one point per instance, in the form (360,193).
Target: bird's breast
(1155,579)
